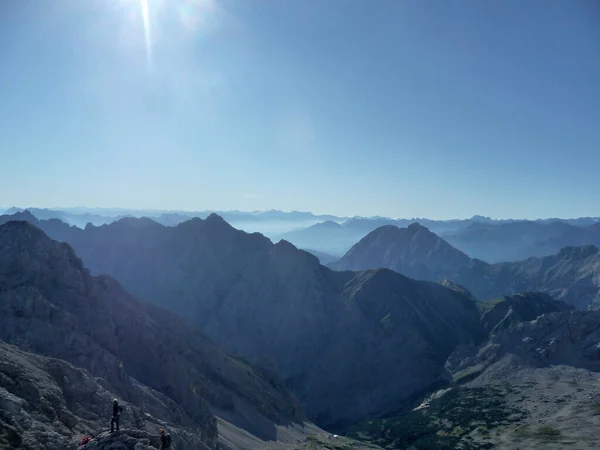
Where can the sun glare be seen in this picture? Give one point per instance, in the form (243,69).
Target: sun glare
(146,17)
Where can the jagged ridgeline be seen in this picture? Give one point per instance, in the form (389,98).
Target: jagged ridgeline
(349,344)
(108,344)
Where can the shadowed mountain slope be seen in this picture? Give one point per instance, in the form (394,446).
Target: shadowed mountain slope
(50,304)
(349,344)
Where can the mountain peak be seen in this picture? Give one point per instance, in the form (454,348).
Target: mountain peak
(18,225)
(25,215)
(328,224)
(135,222)
(416,226)
(414,251)
(43,262)
(214,217)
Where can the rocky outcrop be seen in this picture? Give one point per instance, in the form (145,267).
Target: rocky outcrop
(561,338)
(50,304)
(46,403)
(349,344)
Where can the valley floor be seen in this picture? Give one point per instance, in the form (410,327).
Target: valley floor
(506,408)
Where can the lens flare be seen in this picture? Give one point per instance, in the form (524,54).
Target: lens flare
(146,17)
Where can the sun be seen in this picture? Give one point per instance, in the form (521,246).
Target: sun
(145,9)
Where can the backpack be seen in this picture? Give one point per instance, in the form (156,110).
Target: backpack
(168,440)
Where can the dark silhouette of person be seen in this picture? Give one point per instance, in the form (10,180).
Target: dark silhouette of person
(165,440)
(115,415)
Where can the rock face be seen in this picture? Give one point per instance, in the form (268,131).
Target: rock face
(46,403)
(572,275)
(511,310)
(349,344)
(50,304)
(413,251)
(562,338)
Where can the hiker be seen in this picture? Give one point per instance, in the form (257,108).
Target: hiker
(165,440)
(115,415)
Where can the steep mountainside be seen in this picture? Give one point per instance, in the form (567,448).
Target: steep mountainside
(518,240)
(49,304)
(413,251)
(349,344)
(572,275)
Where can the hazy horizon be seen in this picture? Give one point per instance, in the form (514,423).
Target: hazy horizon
(114,210)
(398,109)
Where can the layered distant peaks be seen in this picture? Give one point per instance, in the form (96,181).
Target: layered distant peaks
(19,215)
(328,224)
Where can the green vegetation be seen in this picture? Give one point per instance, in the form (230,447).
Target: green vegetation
(449,422)
(484,307)
(540,433)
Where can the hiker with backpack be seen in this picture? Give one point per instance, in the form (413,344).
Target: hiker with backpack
(117,409)
(165,440)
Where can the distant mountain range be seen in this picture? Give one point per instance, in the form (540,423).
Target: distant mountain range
(479,237)
(81,216)
(519,240)
(572,275)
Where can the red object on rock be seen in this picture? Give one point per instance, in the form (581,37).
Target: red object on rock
(85,440)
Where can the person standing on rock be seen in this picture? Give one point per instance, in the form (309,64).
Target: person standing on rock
(115,415)
(165,440)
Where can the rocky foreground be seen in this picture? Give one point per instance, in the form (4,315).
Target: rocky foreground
(47,403)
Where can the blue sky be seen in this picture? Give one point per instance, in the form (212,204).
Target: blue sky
(432,108)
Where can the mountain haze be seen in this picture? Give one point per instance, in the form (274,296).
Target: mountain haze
(349,344)
(571,275)
(519,240)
